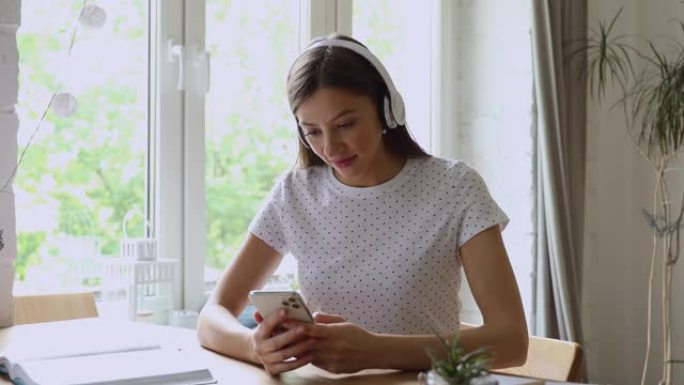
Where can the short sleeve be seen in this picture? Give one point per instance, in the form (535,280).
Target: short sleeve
(267,224)
(480,211)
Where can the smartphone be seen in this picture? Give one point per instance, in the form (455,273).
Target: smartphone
(267,302)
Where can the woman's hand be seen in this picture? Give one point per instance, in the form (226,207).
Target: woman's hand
(280,351)
(338,346)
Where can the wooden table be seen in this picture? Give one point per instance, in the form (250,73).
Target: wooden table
(224,369)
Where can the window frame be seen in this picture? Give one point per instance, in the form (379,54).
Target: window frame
(166,125)
(179,212)
(177,122)
(175,164)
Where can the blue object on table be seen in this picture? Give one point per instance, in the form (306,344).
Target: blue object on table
(247,317)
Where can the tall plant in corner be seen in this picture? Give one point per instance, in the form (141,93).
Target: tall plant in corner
(652,100)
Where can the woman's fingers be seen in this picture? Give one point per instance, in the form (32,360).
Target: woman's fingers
(258,317)
(283,339)
(280,351)
(294,350)
(319,331)
(268,325)
(288,358)
(325,318)
(288,365)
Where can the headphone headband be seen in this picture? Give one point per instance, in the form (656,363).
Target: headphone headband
(395,113)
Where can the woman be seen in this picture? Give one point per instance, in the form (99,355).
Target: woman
(379,229)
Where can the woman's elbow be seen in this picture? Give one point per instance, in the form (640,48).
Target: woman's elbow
(512,348)
(517,347)
(202,329)
(521,344)
(205,334)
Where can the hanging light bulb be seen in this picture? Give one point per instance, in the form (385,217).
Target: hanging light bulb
(92,16)
(64,104)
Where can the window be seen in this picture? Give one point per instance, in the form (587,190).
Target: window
(249,129)
(83,172)
(250,136)
(482,82)
(391,28)
(198,163)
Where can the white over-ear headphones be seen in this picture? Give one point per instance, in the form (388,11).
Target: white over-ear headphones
(395,113)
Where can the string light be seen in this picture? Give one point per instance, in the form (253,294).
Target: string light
(92,16)
(63,103)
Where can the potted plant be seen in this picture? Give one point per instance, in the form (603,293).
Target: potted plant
(457,367)
(652,100)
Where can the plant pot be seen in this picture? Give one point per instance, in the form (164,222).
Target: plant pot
(432,378)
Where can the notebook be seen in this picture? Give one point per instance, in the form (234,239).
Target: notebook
(119,363)
(513,380)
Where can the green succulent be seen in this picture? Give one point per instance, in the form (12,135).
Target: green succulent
(459,367)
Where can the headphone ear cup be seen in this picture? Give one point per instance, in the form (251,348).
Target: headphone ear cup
(389,118)
(398,110)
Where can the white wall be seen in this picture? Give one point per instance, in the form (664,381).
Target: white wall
(617,240)
(9,123)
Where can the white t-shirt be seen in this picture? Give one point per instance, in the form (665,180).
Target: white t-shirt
(384,257)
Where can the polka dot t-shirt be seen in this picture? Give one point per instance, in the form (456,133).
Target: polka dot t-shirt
(384,257)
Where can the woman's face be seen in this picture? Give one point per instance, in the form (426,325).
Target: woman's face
(344,130)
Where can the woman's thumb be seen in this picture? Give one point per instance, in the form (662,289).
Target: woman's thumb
(324,318)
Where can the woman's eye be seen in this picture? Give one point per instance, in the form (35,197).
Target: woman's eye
(311,133)
(347,124)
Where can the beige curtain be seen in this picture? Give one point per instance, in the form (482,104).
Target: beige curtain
(561,131)
(9,124)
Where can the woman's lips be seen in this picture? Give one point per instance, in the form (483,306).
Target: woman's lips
(344,163)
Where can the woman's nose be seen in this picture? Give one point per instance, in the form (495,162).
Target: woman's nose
(332,145)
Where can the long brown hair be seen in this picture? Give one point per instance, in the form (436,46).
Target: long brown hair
(337,67)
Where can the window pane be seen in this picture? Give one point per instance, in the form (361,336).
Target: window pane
(250,132)
(398,32)
(83,172)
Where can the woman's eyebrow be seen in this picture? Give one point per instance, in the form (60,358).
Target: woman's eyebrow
(342,113)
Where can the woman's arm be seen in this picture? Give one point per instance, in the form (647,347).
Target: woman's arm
(218,328)
(344,347)
(492,282)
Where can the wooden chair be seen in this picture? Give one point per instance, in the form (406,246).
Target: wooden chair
(53,307)
(550,359)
